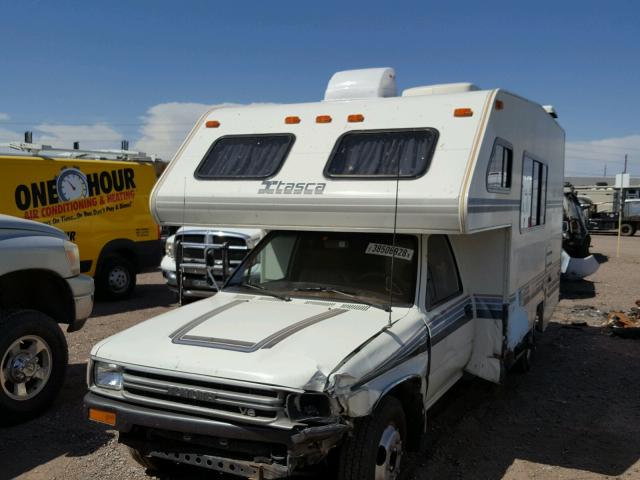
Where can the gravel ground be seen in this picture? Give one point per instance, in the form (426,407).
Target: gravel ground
(576,415)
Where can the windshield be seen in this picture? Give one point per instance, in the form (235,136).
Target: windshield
(351,267)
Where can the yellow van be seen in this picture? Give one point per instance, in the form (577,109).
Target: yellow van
(102,205)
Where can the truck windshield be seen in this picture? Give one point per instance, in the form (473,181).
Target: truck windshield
(349,267)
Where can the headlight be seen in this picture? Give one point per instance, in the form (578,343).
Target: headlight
(107,375)
(308,406)
(73,257)
(168,246)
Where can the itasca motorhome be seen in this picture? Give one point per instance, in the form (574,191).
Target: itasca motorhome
(413,238)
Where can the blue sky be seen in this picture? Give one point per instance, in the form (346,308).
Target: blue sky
(100,71)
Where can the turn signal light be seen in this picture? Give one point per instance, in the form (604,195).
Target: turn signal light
(323,119)
(291,120)
(100,416)
(463,112)
(356,117)
(212,124)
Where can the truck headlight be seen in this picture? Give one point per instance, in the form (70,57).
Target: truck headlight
(73,257)
(107,375)
(168,246)
(309,406)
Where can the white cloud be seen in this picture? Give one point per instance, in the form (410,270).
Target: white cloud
(588,158)
(4,117)
(166,125)
(90,136)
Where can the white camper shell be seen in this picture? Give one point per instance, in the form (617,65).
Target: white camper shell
(413,238)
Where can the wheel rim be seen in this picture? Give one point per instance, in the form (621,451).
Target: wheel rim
(118,279)
(25,368)
(389,454)
(625,229)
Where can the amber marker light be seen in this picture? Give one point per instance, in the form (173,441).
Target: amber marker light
(291,120)
(355,118)
(100,416)
(212,124)
(463,112)
(323,119)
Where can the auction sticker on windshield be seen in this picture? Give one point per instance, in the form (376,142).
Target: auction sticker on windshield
(390,251)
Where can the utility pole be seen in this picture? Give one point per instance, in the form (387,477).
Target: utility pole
(625,163)
(605,170)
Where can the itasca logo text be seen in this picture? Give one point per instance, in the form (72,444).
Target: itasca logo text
(191,393)
(291,188)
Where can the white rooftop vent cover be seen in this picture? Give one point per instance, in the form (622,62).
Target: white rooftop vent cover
(364,83)
(440,89)
(550,109)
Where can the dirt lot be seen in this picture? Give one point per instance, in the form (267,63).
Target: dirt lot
(576,415)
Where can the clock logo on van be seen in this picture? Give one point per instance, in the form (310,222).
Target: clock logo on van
(71,184)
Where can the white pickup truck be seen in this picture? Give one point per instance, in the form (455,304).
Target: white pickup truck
(40,285)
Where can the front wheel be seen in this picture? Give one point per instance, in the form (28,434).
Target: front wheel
(375,450)
(627,229)
(33,359)
(117,278)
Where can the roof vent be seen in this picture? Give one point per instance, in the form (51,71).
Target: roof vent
(364,83)
(440,89)
(550,109)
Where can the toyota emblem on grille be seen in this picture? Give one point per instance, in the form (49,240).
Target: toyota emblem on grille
(191,394)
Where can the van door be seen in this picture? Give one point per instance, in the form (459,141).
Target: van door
(449,313)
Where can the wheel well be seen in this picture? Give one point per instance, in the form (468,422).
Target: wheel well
(409,393)
(40,290)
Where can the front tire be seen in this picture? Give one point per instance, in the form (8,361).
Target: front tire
(117,278)
(627,230)
(33,360)
(375,450)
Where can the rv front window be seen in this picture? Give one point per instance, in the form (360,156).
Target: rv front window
(403,153)
(349,267)
(245,157)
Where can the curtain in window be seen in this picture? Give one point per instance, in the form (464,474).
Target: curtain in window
(246,156)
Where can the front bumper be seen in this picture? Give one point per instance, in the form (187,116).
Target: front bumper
(82,288)
(299,443)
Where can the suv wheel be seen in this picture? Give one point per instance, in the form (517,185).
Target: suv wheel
(117,278)
(33,359)
(375,450)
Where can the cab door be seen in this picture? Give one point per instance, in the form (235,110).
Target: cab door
(449,312)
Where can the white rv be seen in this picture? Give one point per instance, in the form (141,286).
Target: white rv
(413,238)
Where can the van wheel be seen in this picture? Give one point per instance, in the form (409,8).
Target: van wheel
(627,229)
(523,364)
(375,449)
(117,278)
(33,360)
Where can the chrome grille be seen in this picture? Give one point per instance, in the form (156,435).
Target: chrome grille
(203,398)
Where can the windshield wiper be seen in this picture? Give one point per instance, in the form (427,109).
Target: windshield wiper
(265,291)
(344,293)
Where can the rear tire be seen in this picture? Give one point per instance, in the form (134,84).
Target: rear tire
(376,447)
(627,229)
(33,360)
(117,278)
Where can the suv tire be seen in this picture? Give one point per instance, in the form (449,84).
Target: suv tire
(33,360)
(117,278)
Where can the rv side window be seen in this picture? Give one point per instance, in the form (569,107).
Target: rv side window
(443,279)
(382,154)
(499,173)
(245,157)
(533,203)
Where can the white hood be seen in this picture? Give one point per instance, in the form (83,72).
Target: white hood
(250,338)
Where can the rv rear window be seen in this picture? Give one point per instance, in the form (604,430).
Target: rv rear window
(245,157)
(382,154)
